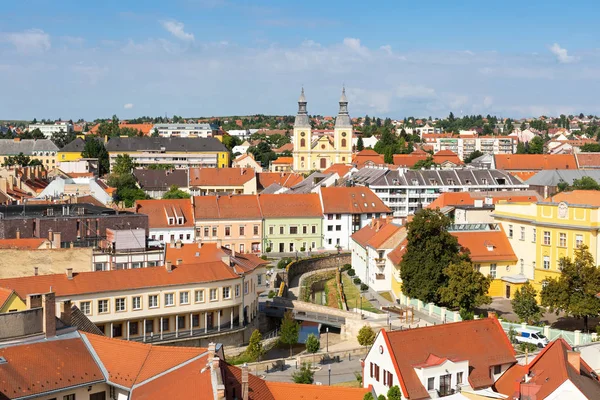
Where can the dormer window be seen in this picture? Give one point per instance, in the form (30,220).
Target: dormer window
(171,221)
(450,181)
(180,221)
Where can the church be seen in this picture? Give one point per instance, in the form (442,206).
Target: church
(320,151)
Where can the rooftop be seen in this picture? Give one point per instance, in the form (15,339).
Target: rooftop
(157,179)
(577,197)
(523,162)
(220,176)
(377,234)
(227,207)
(351,200)
(160,211)
(169,144)
(12,147)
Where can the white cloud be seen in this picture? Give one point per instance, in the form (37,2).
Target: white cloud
(561,54)
(414,91)
(387,48)
(175,28)
(354,45)
(29,41)
(128,106)
(488,101)
(73,40)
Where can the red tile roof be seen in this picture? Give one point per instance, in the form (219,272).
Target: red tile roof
(486,246)
(285,179)
(220,176)
(290,205)
(22,244)
(409,160)
(588,160)
(396,255)
(340,169)
(482,342)
(443,156)
(283,160)
(5,295)
(144,128)
(159,212)
(351,200)
(579,197)
(285,147)
(210,252)
(377,234)
(534,162)
(366,156)
(468,198)
(243,206)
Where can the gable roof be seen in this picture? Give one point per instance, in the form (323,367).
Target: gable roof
(156,179)
(285,179)
(534,162)
(242,206)
(171,144)
(283,160)
(368,155)
(482,342)
(192,253)
(351,200)
(577,197)
(220,176)
(11,147)
(304,205)
(340,169)
(588,160)
(159,212)
(22,244)
(377,233)
(468,198)
(75,146)
(409,160)
(486,246)
(443,156)
(5,295)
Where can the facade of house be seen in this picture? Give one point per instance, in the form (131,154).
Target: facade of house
(347,210)
(64,188)
(186,130)
(463,145)
(168,220)
(203,181)
(156,182)
(282,164)
(10,301)
(126,249)
(72,151)
(49,129)
(43,150)
(246,161)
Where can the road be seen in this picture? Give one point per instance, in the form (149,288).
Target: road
(342,371)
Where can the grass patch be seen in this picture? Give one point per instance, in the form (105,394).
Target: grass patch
(350,384)
(387,296)
(331,293)
(353,296)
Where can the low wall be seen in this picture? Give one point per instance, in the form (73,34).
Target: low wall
(48,261)
(314,308)
(21,323)
(296,268)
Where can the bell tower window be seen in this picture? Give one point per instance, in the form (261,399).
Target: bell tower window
(302,142)
(344,142)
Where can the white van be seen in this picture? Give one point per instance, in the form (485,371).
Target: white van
(530,336)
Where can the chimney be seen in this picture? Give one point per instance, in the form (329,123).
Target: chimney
(212,347)
(18,234)
(65,312)
(168,266)
(245,381)
(179,261)
(69,273)
(17,139)
(35,271)
(50,235)
(172,244)
(178,244)
(227,260)
(49,314)
(574,358)
(372,222)
(219,243)
(57,240)
(377,226)
(34,301)
(492,314)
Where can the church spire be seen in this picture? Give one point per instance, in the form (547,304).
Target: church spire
(343,119)
(302,116)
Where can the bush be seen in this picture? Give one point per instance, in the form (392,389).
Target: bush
(366,336)
(346,267)
(271,294)
(284,262)
(302,248)
(368,396)
(264,257)
(530,347)
(356,280)
(304,375)
(351,272)
(312,343)
(466,315)
(363,286)
(268,250)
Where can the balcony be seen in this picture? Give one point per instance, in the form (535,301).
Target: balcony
(380,262)
(379,277)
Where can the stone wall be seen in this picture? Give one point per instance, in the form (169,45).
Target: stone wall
(49,261)
(21,323)
(296,268)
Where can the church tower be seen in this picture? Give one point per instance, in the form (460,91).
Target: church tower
(342,133)
(302,137)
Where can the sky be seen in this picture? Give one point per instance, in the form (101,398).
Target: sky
(76,59)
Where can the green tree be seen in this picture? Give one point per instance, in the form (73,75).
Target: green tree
(304,375)
(123,165)
(427,163)
(94,148)
(289,330)
(127,189)
(366,336)
(521,148)
(525,305)
(394,393)
(360,146)
(312,343)
(263,153)
(585,183)
(466,287)
(429,251)
(590,147)
(20,160)
(175,193)
(155,133)
(368,396)
(61,139)
(574,291)
(381,397)
(37,134)
(473,156)
(536,145)
(255,348)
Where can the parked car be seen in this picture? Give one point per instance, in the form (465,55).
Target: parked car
(530,336)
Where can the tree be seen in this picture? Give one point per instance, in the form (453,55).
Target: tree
(37,134)
(360,146)
(525,305)
(429,251)
(20,160)
(427,163)
(127,190)
(381,397)
(366,336)
(574,291)
(123,165)
(466,287)
(473,156)
(155,133)
(585,183)
(368,396)
(521,149)
(61,139)
(312,343)
(94,148)
(289,330)
(590,148)
(304,375)
(255,348)
(175,193)
(536,145)
(394,393)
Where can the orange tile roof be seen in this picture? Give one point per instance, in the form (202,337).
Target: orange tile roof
(534,162)
(42,367)
(523,175)
(579,197)
(144,128)
(351,200)
(290,205)
(5,295)
(396,255)
(285,147)
(340,169)
(22,244)
(409,160)
(210,252)
(588,160)
(376,234)
(468,198)
(486,246)
(159,211)
(130,363)
(119,280)
(482,342)
(443,156)
(284,160)
(367,155)
(242,206)
(547,372)
(220,176)
(285,179)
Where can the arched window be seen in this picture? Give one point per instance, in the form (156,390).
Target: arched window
(343,142)
(302,142)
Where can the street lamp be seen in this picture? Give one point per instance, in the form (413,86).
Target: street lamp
(329,374)
(327,334)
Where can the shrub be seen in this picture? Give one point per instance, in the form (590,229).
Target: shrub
(271,294)
(302,249)
(368,396)
(312,343)
(284,262)
(268,249)
(351,272)
(363,286)
(356,280)
(527,347)
(304,375)
(366,336)
(466,315)
(346,267)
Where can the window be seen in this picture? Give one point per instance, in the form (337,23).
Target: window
(522,233)
(313,229)
(165,324)
(227,292)
(445,387)
(562,239)
(493,270)
(259,279)
(199,296)
(330,216)
(214,231)
(430,383)
(377,372)
(227,231)
(338,216)
(497,369)
(169,299)
(547,238)
(242,230)
(184,297)
(478,267)
(281,230)
(237,290)
(120,304)
(206,231)
(149,325)
(293,230)
(69,397)
(213,294)
(152,301)
(102,306)
(255,230)
(578,241)
(338,228)
(181,322)
(330,228)
(510,231)
(136,303)
(459,378)
(546,262)
(117,330)
(133,328)
(245,287)
(534,235)
(271,230)
(242,248)
(85,307)
(195,320)
(371,369)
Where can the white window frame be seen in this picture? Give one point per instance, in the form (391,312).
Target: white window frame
(187,297)
(155,303)
(199,296)
(133,301)
(171,297)
(123,303)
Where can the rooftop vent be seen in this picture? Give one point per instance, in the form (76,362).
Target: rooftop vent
(3,360)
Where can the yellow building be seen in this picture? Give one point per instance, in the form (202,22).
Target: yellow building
(37,149)
(10,302)
(72,151)
(542,233)
(319,152)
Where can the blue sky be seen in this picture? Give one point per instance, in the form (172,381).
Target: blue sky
(80,59)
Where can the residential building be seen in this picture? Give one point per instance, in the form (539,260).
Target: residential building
(72,151)
(406,191)
(81,167)
(126,249)
(588,160)
(347,210)
(557,372)
(203,181)
(168,220)
(370,247)
(439,360)
(241,149)
(282,179)
(247,161)
(282,164)
(342,170)
(367,157)
(291,222)
(21,184)
(321,151)
(236,222)
(10,301)
(156,182)
(544,232)
(43,150)
(546,182)
(186,130)
(313,183)
(49,129)
(177,152)
(65,188)
(368,142)
(463,145)
(526,165)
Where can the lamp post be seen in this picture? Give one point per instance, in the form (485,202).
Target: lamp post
(329,374)
(327,335)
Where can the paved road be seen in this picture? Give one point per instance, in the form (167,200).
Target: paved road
(340,372)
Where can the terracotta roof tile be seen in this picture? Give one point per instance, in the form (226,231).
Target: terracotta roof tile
(486,246)
(468,198)
(588,160)
(534,162)
(210,252)
(377,233)
(22,244)
(409,160)
(296,205)
(340,169)
(285,147)
(396,255)
(283,160)
(5,295)
(159,211)
(579,197)
(351,200)
(443,156)
(220,176)
(366,156)
(227,207)
(285,179)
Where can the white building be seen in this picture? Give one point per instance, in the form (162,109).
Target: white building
(469,142)
(368,142)
(169,220)
(439,360)
(186,130)
(61,188)
(345,211)
(49,129)
(241,148)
